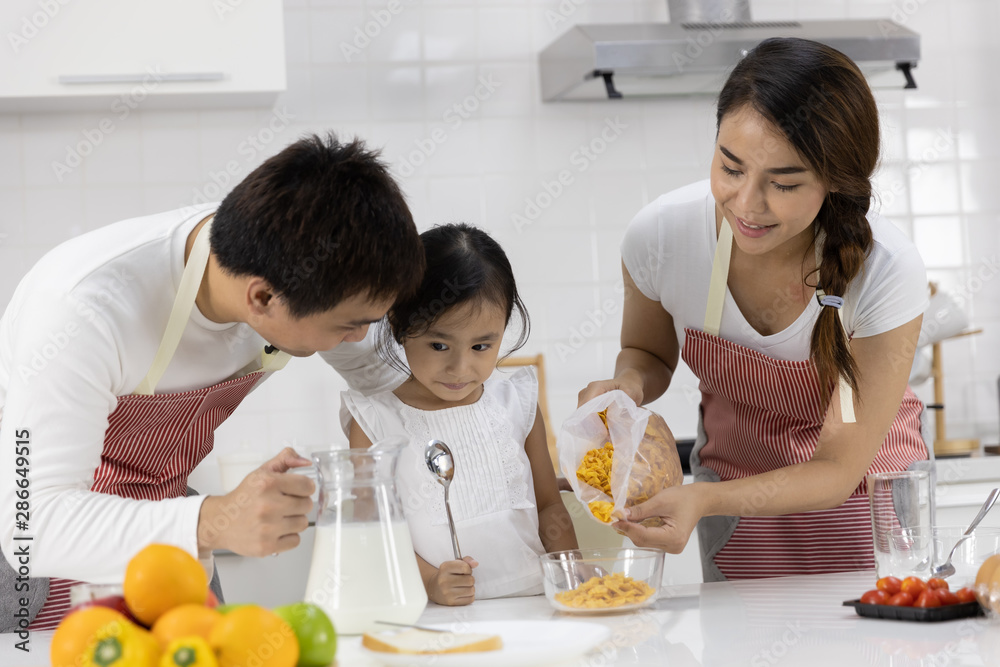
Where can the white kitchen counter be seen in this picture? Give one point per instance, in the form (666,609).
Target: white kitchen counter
(761,623)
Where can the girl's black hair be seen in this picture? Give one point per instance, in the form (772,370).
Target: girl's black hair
(463,265)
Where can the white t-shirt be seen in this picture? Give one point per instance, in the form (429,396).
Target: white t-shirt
(82,329)
(668,251)
(492,495)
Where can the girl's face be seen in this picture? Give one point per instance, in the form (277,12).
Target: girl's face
(769,195)
(458,352)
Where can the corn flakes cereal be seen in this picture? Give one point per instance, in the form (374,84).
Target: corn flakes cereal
(601,509)
(595,469)
(654,467)
(609,591)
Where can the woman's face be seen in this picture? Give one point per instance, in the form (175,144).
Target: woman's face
(766,191)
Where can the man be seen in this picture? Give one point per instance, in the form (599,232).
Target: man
(123,349)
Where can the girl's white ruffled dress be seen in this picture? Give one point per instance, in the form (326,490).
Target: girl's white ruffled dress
(492,495)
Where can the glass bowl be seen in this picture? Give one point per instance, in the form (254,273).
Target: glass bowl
(600,581)
(915,551)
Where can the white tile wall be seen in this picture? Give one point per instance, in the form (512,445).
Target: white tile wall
(432,56)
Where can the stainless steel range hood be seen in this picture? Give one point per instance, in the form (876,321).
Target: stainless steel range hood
(695,57)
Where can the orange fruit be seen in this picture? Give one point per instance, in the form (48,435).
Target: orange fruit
(75,631)
(161,577)
(184,621)
(252,635)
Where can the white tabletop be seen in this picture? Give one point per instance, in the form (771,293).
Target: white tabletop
(787,621)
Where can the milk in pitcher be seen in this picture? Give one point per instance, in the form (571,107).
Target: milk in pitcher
(365,572)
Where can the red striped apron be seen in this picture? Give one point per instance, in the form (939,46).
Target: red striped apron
(153,442)
(760,414)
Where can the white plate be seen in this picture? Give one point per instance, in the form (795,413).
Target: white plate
(525,643)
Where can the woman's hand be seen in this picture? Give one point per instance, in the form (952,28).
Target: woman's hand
(453,584)
(677,506)
(599,387)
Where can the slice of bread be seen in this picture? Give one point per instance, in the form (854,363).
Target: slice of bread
(422,642)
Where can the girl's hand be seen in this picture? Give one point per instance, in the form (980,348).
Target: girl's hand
(676,506)
(599,387)
(453,584)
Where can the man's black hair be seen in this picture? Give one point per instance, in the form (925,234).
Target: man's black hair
(321,221)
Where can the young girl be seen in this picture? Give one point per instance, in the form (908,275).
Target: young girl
(503,497)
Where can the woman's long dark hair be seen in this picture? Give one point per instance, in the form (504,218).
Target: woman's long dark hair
(822,104)
(464,265)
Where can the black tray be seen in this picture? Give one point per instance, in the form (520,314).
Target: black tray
(922,614)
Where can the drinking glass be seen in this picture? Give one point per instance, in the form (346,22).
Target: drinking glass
(898,500)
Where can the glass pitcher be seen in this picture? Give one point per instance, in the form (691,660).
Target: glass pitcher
(363,566)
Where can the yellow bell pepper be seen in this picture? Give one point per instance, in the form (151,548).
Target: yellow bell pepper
(121,644)
(190,651)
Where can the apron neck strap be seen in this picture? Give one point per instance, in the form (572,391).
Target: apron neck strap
(720,275)
(717,297)
(271,359)
(187,292)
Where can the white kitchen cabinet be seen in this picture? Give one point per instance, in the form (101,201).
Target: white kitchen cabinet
(962,486)
(118,55)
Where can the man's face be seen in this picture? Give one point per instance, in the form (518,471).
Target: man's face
(348,322)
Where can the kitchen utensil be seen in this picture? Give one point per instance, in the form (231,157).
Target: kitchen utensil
(363,567)
(410,625)
(565,571)
(946,569)
(914,550)
(898,500)
(439,461)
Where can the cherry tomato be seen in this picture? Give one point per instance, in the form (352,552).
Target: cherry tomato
(965,595)
(914,586)
(901,600)
(946,596)
(875,597)
(928,599)
(936,583)
(890,585)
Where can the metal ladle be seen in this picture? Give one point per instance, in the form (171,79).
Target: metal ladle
(946,569)
(439,461)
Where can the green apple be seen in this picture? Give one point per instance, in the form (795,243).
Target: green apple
(314,630)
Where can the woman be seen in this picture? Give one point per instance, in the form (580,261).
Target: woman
(798,314)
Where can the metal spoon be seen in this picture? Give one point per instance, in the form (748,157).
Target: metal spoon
(946,569)
(439,461)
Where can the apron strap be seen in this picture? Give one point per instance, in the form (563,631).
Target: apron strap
(273,359)
(717,297)
(194,270)
(717,284)
(180,313)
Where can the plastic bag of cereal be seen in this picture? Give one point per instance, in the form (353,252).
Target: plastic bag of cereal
(616,454)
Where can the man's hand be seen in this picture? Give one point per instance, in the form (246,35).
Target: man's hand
(264,514)
(453,584)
